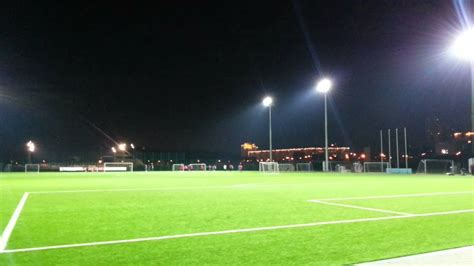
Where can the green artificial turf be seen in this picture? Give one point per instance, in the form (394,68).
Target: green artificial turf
(166,203)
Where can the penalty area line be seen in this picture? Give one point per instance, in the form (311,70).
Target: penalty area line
(246,230)
(359,207)
(400,196)
(11,224)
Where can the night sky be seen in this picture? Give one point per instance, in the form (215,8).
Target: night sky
(191,76)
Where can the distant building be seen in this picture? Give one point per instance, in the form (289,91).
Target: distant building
(294,154)
(246,148)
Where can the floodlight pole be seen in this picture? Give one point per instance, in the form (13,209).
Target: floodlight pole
(381,151)
(389,151)
(398,154)
(270,131)
(326,149)
(472,107)
(406,148)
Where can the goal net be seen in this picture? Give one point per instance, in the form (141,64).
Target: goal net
(304,167)
(435,166)
(375,167)
(32,168)
(197,167)
(339,166)
(269,167)
(178,167)
(118,167)
(286,167)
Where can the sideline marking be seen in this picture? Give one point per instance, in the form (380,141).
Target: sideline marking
(400,196)
(235,186)
(234,231)
(11,224)
(359,207)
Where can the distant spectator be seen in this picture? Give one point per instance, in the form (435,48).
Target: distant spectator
(214,167)
(231,167)
(241,167)
(225,167)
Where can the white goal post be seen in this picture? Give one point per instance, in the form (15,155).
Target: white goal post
(269,167)
(118,167)
(178,167)
(304,167)
(435,166)
(197,167)
(375,167)
(286,167)
(32,167)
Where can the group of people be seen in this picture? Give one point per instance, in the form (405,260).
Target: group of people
(210,167)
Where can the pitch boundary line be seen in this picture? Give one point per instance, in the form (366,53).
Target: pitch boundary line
(359,207)
(234,186)
(246,230)
(11,224)
(399,196)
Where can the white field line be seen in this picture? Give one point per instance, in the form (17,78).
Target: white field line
(235,186)
(401,196)
(359,207)
(11,224)
(278,227)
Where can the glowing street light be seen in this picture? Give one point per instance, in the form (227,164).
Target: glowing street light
(114,150)
(463,48)
(132,146)
(324,86)
(31,147)
(267,102)
(122,147)
(463,45)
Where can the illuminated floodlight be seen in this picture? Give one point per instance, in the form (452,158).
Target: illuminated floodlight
(31,146)
(114,150)
(463,46)
(132,146)
(267,101)
(324,85)
(122,146)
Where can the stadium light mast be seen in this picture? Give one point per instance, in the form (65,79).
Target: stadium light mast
(324,86)
(31,147)
(267,102)
(114,151)
(463,48)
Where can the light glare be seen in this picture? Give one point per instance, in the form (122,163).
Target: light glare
(122,146)
(463,46)
(324,85)
(31,146)
(267,101)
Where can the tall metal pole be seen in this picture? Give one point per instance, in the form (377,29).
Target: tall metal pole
(326,132)
(389,151)
(472,107)
(381,151)
(270,131)
(406,148)
(398,155)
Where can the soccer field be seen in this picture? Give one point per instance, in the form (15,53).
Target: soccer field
(230,217)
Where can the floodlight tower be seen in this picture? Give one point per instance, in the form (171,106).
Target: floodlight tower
(114,151)
(463,48)
(324,86)
(123,148)
(267,102)
(31,147)
(133,150)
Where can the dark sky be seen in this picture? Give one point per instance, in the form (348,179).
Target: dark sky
(190,76)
